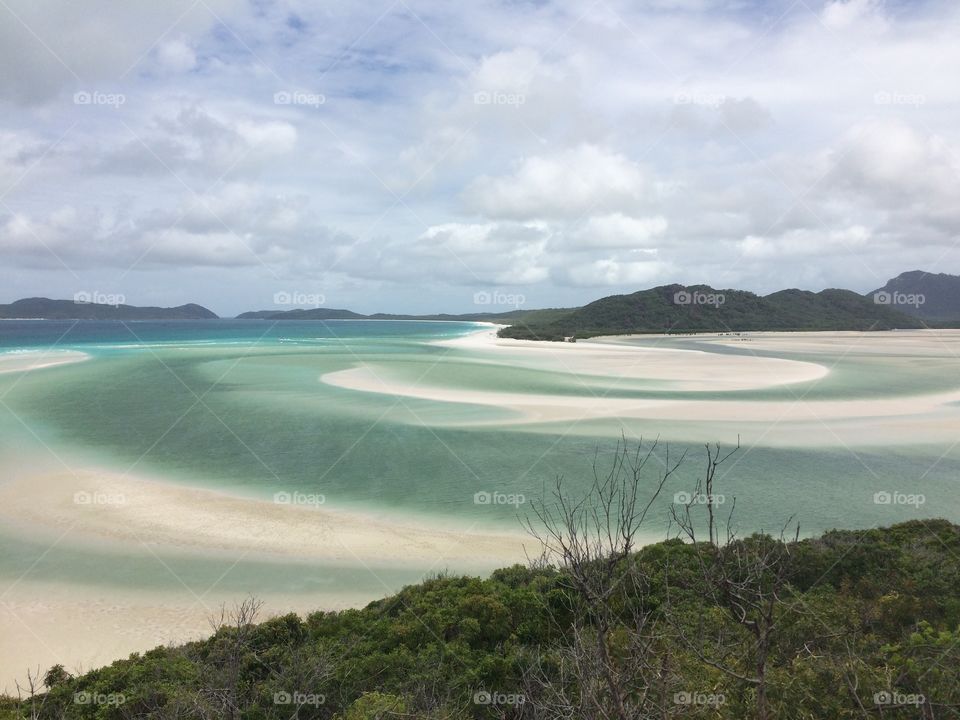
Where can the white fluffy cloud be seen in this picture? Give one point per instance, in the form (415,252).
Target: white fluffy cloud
(49,46)
(196,139)
(568,184)
(617,272)
(567,149)
(236,226)
(620,231)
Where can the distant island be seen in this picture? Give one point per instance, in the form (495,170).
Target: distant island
(701,308)
(47,309)
(934,297)
(912,300)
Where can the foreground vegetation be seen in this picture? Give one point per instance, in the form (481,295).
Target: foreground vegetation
(848,625)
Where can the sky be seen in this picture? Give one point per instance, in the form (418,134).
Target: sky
(424,156)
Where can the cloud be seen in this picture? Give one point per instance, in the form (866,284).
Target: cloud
(57,44)
(613,272)
(200,140)
(841,14)
(237,226)
(567,184)
(177,55)
(567,149)
(459,253)
(806,243)
(889,162)
(620,231)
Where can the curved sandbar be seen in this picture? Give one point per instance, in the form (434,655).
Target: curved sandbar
(99,505)
(682,369)
(25,361)
(791,420)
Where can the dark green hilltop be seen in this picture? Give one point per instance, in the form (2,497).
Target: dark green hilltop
(46,309)
(914,299)
(939,293)
(700,308)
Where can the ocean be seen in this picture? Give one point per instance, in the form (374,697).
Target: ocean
(242,407)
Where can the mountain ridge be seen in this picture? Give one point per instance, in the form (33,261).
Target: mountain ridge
(913,299)
(47,309)
(700,308)
(934,297)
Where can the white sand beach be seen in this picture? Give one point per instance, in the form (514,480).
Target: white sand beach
(691,370)
(99,505)
(24,361)
(83,626)
(794,421)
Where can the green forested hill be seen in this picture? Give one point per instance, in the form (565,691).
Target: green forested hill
(508,316)
(32,308)
(700,308)
(854,625)
(935,297)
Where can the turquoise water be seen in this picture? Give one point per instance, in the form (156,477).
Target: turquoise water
(239,405)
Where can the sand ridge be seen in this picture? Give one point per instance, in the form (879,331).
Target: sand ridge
(792,420)
(27,361)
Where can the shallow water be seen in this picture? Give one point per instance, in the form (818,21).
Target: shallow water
(239,405)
